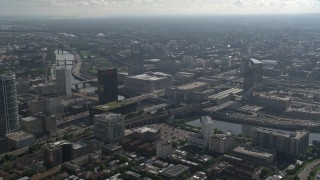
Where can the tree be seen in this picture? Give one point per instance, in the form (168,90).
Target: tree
(102,166)
(185,175)
(296,177)
(265,172)
(30,172)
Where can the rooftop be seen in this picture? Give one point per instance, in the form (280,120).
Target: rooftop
(206,120)
(295,135)
(192,86)
(175,170)
(18,136)
(146,77)
(30,118)
(108,116)
(254,151)
(275,97)
(114,105)
(145,129)
(79,145)
(255,61)
(223,136)
(225,93)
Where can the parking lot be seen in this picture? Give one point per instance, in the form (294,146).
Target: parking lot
(169,133)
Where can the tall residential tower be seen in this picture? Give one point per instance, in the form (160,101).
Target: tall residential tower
(63,81)
(136,63)
(8,108)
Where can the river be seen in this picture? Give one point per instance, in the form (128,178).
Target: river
(61,57)
(244,129)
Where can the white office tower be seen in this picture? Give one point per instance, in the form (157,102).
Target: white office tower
(164,149)
(136,63)
(63,81)
(207,127)
(109,128)
(8,108)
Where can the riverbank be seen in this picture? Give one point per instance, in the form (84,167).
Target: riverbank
(287,125)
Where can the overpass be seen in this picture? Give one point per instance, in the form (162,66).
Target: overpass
(92,82)
(161,117)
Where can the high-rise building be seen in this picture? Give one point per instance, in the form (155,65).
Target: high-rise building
(17,140)
(107,85)
(32,125)
(47,106)
(109,128)
(221,143)
(253,76)
(50,124)
(257,70)
(201,140)
(8,108)
(136,62)
(63,81)
(52,155)
(207,127)
(164,148)
(288,143)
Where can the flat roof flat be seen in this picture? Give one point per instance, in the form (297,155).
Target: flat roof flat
(254,151)
(146,77)
(145,129)
(30,118)
(295,135)
(192,86)
(225,93)
(255,61)
(17,136)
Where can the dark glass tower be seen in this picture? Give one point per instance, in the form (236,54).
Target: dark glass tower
(8,108)
(107,85)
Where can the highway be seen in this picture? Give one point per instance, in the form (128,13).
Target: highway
(73,118)
(305,173)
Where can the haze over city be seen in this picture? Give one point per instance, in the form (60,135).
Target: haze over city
(160,89)
(110,8)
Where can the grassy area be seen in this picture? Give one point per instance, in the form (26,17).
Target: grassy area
(181,123)
(114,105)
(85,53)
(313,173)
(103,63)
(99,64)
(301,168)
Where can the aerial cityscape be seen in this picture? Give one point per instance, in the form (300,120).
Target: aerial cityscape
(195,97)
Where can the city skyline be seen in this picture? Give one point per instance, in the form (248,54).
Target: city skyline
(111,8)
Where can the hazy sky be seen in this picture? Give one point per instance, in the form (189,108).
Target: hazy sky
(156,7)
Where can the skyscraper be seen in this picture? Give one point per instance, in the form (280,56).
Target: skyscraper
(253,77)
(136,63)
(207,127)
(107,85)
(109,128)
(63,81)
(8,108)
